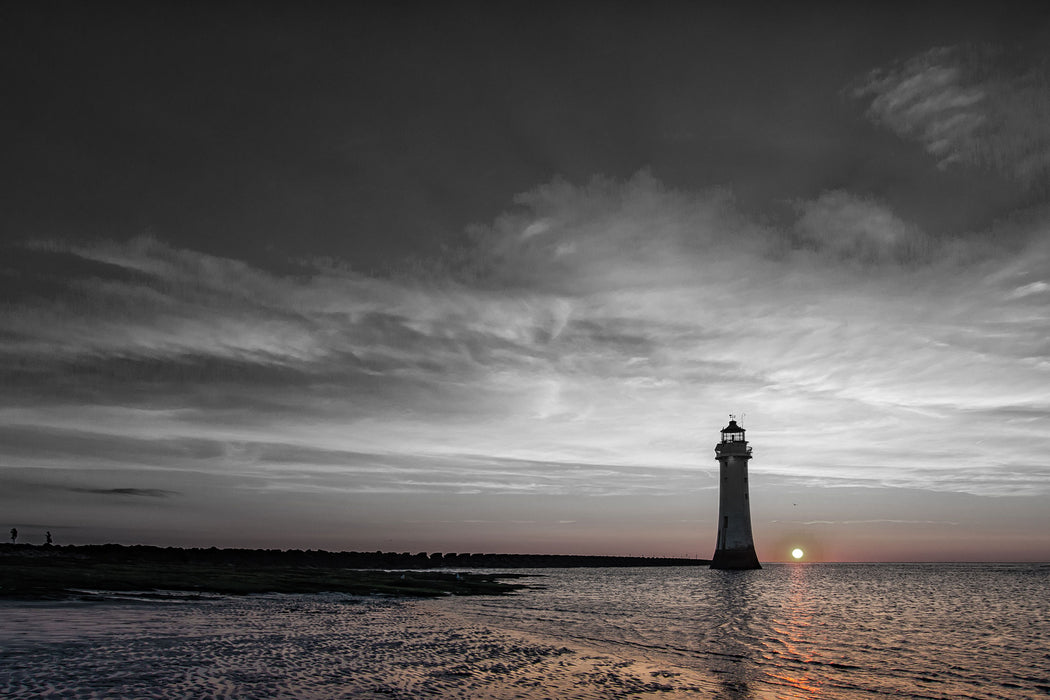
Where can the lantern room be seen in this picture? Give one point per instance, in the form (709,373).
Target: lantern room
(732,432)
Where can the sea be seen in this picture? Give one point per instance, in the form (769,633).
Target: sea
(809,629)
(803,630)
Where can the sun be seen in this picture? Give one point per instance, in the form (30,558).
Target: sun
(797,553)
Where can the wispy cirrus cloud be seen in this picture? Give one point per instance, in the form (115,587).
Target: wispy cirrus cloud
(967,105)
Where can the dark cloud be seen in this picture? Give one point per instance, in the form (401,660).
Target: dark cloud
(46,274)
(107,443)
(145,493)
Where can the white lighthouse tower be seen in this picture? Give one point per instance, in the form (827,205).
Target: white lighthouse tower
(735,548)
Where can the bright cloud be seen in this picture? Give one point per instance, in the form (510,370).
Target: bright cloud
(606,327)
(584,349)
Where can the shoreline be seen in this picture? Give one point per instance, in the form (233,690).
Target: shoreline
(50,571)
(346,560)
(60,574)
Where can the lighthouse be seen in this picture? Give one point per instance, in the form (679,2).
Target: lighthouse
(735,548)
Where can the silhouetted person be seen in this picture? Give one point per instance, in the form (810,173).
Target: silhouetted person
(47,542)
(14,534)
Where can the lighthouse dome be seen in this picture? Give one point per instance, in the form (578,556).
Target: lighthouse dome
(732,428)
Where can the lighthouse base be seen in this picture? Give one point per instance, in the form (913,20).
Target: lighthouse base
(744,558)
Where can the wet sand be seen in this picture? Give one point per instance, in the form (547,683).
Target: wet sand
(308,647)
(503,663)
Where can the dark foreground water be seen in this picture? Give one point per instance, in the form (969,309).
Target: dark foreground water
(787,631)
(812,630)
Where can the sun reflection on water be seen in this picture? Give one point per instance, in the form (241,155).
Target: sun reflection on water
(792,641)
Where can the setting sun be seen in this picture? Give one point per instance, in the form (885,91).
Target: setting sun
(797,553)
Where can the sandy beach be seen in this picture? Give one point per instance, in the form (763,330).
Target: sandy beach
(305,647)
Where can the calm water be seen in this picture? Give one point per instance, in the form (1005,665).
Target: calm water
(787,631)
(812,630)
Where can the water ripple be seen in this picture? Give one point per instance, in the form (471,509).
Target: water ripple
(818,630)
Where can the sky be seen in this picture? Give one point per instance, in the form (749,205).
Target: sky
(452,277)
